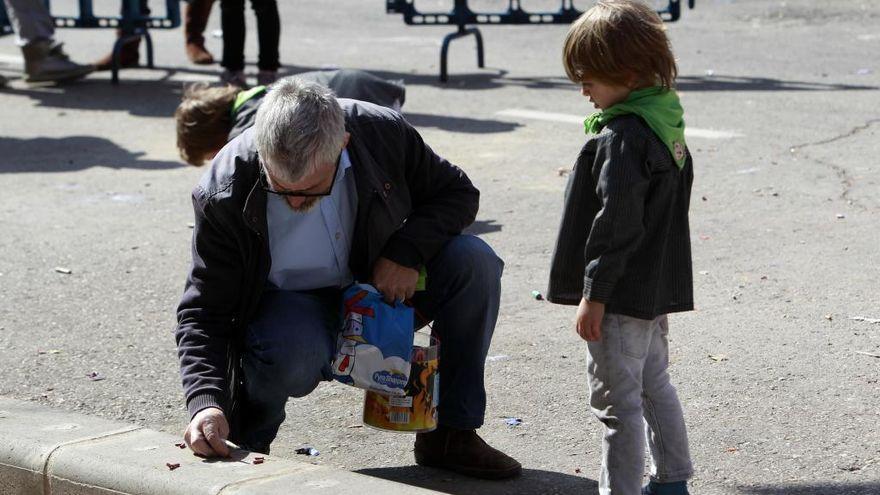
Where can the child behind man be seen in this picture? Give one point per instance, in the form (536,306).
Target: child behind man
(623,251)
(209,117)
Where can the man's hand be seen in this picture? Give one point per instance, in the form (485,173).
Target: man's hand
(395,282)
(589,320)
(207,432)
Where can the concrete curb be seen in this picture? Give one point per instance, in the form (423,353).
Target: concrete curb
(49,452)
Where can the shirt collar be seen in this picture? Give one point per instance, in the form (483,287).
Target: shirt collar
(344,165)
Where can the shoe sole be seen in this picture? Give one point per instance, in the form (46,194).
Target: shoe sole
(64,77)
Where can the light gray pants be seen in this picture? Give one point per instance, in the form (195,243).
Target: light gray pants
(30,20)
(630,393)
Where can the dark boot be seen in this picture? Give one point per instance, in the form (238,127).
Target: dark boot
(464,452)
(674,488)
(128,55)
(195,19)
(46,61)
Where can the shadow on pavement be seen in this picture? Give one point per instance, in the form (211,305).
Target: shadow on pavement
(734,83)
(487,78)
(532,482)
(480,227)
(867,488)
(459,124)
(70,153)
(147,98)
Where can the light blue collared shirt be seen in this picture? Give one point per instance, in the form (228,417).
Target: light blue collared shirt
(310,250)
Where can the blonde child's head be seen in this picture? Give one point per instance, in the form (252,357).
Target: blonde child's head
(620,42)
(203,121)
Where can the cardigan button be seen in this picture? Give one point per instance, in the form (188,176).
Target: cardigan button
(387,186)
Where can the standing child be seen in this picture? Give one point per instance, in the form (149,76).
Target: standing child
(623,252)
(268,36)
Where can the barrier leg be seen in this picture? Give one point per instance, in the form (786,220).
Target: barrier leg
(114,64)
(444,49)
(149,41)
(479,37)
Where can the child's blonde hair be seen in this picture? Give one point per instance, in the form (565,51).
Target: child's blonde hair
(617,41)
(203,121)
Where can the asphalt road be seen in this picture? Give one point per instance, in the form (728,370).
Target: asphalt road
(778,380)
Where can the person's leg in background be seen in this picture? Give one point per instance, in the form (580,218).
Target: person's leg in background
(44,58)
(129,54)
(195,19)
(232,20)
(269,35)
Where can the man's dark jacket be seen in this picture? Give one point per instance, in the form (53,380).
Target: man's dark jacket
(410,202)
(624,238)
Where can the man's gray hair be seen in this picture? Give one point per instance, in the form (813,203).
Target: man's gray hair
(299,124)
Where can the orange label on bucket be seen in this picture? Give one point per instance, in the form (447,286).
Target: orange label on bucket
(416,411)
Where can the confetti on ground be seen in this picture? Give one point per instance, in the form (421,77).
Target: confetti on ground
(512,422)
(61,269)
(172,466)
(95,376)
(180,445)
(870,354)
(259,460)
(718,357)
(537,295)
(310,451)
(500,357)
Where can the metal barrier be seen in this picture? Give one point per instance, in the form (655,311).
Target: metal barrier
(5,26)
(132,23)
(462,15)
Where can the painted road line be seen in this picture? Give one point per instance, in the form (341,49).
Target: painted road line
(566,118)
(11,59)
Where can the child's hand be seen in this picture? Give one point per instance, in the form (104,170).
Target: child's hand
(589,320)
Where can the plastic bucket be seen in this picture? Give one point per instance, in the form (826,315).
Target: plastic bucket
(415,412)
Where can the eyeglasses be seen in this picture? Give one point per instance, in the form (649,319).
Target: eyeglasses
(264,185)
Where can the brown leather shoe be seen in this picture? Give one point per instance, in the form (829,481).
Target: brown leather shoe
(464,452)
(198,54)
(128,56)
(195,19)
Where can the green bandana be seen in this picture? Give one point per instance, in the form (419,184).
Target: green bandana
(244,96)
(659,108)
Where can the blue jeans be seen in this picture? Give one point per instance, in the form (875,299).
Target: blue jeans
(290,343)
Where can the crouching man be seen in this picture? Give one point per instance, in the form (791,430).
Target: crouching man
(319,193)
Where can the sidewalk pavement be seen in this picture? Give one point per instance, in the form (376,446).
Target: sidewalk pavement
(50,452)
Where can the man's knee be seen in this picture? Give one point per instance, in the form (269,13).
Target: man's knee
(285,372)
(470,254)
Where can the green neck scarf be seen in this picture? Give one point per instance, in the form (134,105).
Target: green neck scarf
(659,108)
(244,96)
